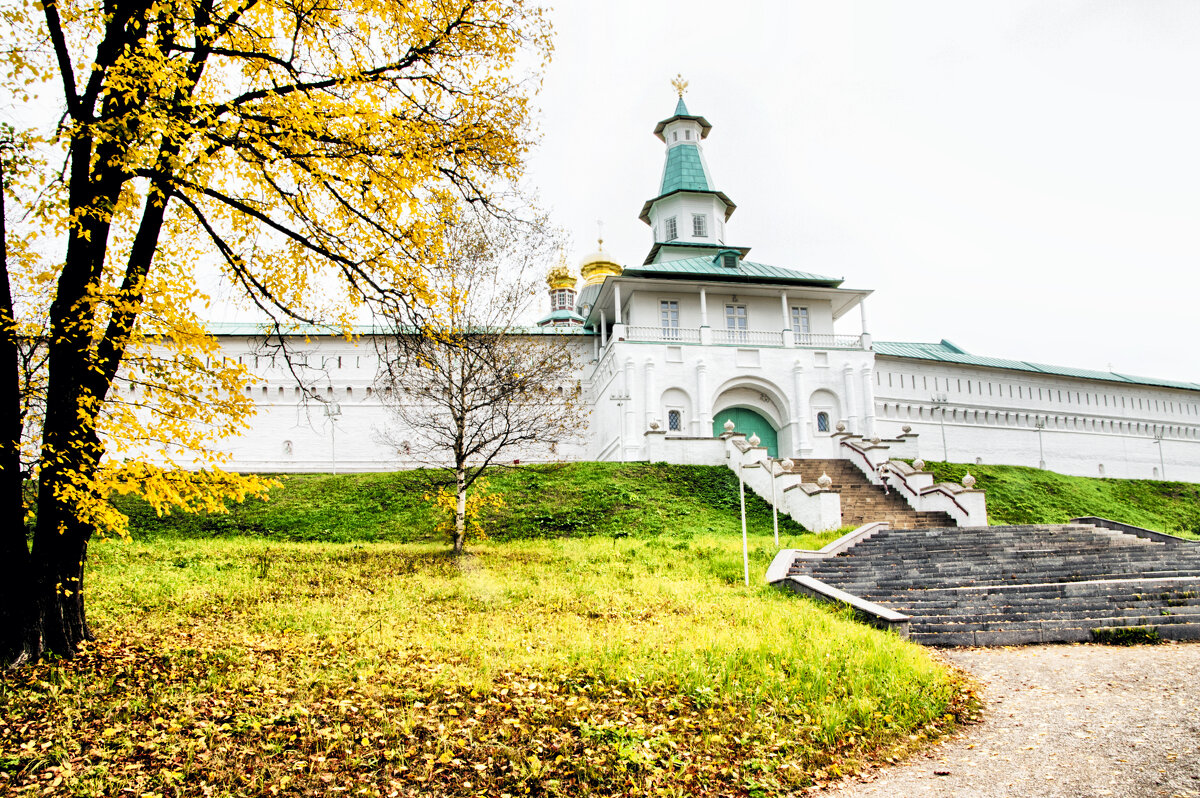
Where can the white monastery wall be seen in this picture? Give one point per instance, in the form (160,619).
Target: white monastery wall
(1089,427)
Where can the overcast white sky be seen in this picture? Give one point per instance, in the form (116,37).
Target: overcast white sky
(1022,178)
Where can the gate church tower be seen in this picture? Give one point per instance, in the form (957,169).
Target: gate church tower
(697,335)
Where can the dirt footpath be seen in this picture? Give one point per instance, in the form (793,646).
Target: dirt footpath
(1064,721)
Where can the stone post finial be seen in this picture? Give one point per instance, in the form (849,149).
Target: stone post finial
(754,440)
(919,464)
(824,481)
(729,425)
(968,481)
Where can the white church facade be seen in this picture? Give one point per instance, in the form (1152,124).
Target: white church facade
(699,333)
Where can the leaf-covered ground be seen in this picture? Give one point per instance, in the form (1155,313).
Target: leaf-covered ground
(555,667)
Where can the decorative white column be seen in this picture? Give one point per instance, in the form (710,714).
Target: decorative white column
(866,335)
(703,307)
(868,400)
(703,409)
(800,409)
(603,330)
(651,392)
(851,405)
(630,422)
(788,338)
(617,300)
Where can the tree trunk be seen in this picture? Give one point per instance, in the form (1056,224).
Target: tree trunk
(15,587)
(460,509)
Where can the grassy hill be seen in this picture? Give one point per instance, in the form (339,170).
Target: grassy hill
(572,500)
(1021,495)
(638,499)
(599,643)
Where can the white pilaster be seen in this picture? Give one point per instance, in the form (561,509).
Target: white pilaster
(651,401)
(851,403)
(617,301)
(800,410)
(633,434)
(703,410)
(868,400)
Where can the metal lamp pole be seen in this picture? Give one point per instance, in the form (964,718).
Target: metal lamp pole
(1162,465)
(940,400)
(621,399)
(1040,424)
(332,411)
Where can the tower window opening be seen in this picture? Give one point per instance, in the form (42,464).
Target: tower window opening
(729,260)
(672,229)
(675,136)
(687,134)
(699,225)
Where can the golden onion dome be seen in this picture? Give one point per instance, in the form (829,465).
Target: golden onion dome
(561,277)
(598,265)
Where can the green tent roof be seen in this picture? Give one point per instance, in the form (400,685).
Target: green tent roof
(684,170)
(707,267)
(946,352)
(681,108)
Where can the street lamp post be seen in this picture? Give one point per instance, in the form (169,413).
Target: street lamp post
(1040,424)
(332,411)
(940,400)
(1162,465)
(621,399)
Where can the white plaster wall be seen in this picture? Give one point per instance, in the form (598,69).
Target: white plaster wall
(991,415)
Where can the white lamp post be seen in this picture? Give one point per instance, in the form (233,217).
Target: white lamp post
(1040,424)
(332,411)
(941,400)
(1162,465)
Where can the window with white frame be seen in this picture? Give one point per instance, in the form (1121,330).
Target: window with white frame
(800,326)
(674,421)
(671,229)
(735,322)
(699,225)
(822,422)
(668,312)
(687,134)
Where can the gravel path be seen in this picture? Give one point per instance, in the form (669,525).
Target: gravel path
(1064,721)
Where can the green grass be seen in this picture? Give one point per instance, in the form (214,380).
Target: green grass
(583,666)
(1021,495)
(599,642)
(541,502)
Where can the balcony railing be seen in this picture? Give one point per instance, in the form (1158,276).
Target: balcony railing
(828,341)
(747,337)
(674,335)
(727,337)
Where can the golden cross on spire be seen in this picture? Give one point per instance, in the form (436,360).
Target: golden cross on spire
(680,84)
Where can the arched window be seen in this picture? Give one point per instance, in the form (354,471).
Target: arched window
(822,422)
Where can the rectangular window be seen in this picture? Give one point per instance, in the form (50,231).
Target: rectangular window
(800,324)
(674,421)
(672,230)
(687,134)
(735,322)
(668,312)
(699,225)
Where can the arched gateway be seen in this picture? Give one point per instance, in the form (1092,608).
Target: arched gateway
(750,423)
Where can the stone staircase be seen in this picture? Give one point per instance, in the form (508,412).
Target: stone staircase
(863,502)
(1021,584)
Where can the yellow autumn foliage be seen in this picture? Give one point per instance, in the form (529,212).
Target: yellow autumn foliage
(306,155)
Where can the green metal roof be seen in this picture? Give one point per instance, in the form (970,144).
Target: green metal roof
(560,315)
(684,170)
(708,268)
(681,108)
(946,352)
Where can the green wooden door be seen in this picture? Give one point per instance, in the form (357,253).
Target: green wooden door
(750,423)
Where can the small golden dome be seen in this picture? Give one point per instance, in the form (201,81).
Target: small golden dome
(560,277)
